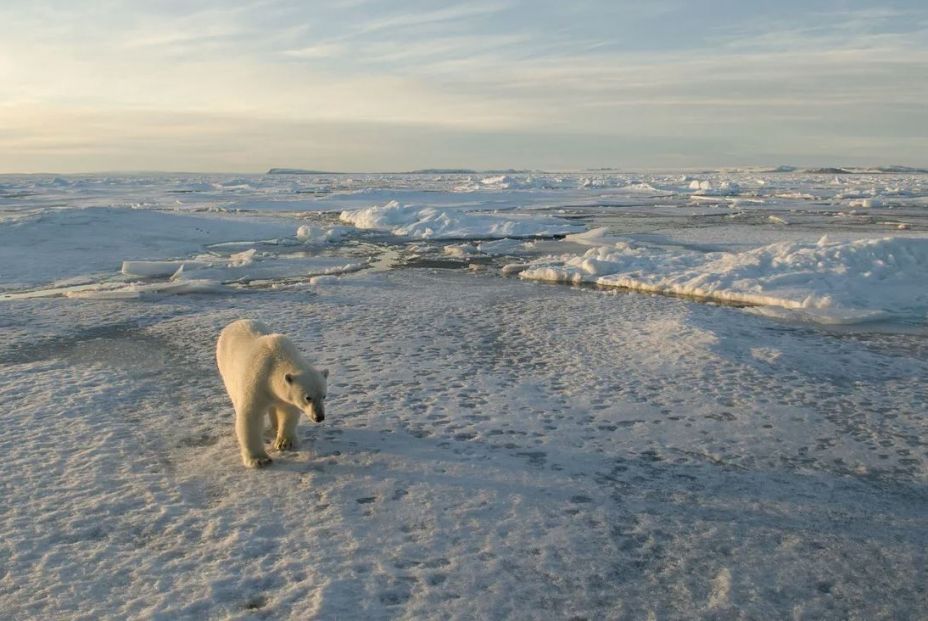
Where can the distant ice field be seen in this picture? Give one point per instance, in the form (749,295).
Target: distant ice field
(745,237)
(595,395)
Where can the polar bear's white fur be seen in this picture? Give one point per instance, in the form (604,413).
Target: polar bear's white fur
(265,375)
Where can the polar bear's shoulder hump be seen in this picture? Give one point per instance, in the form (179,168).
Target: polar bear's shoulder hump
(280,347)
(251,339)
(247,326)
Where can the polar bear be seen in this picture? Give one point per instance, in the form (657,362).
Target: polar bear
(265,375)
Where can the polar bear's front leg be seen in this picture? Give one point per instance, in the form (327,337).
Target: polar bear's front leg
(287,419)
(249,427)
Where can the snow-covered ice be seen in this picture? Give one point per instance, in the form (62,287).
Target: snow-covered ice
(494,447)
(831,282)
(432,223)
(56,244)
(316,234)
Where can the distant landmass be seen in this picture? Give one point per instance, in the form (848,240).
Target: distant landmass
(824,170)
(471,171)
(900,169)
(827,170)
(299,171)
(443,171)
(876,170)
(421,171)
(511,171)
(835,170)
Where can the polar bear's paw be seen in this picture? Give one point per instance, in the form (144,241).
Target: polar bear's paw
(285,444)
(257,461)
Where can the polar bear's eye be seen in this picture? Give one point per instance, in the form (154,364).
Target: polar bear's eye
(309,399)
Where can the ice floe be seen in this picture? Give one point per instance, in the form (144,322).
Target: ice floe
(496,247)
(706,188)
(316,234)
(433,223)
(81,241)
(594,237)
(203,273)
(135,291)
(828,282)
(156,269)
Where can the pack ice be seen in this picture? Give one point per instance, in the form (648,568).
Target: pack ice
(829,282)
(434,223)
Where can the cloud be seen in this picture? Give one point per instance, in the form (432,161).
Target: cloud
(320,50)
(450,14)
(607,73)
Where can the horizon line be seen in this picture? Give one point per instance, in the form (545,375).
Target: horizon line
(296,171)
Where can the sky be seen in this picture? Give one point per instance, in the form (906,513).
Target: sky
(378,85)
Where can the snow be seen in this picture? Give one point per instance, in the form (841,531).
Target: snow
(155,269)
(503,246)
(831,282)
(431,223)
(494,448)
(144,290)
(865,203)
(323,280)
(70,243)
(496,247)
(315,234)
(512,479)
(593,237)
(705,188)
(461,251)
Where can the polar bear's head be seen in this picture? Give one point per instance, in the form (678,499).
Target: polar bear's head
(306,390)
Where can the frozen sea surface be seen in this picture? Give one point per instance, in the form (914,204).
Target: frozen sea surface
(495,447)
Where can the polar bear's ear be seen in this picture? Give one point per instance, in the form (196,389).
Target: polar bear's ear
(288,378)
(325,373)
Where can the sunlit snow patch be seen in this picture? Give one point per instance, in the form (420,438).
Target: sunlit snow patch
(432,223)
(593,237)
(136,291)
(496,247)
(178,269)
(317,235)
(158,269)
(204,274)
(705,188)
(242,266)
(827,282)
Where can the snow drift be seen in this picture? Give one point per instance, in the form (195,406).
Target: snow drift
(828,282)
(433,223)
